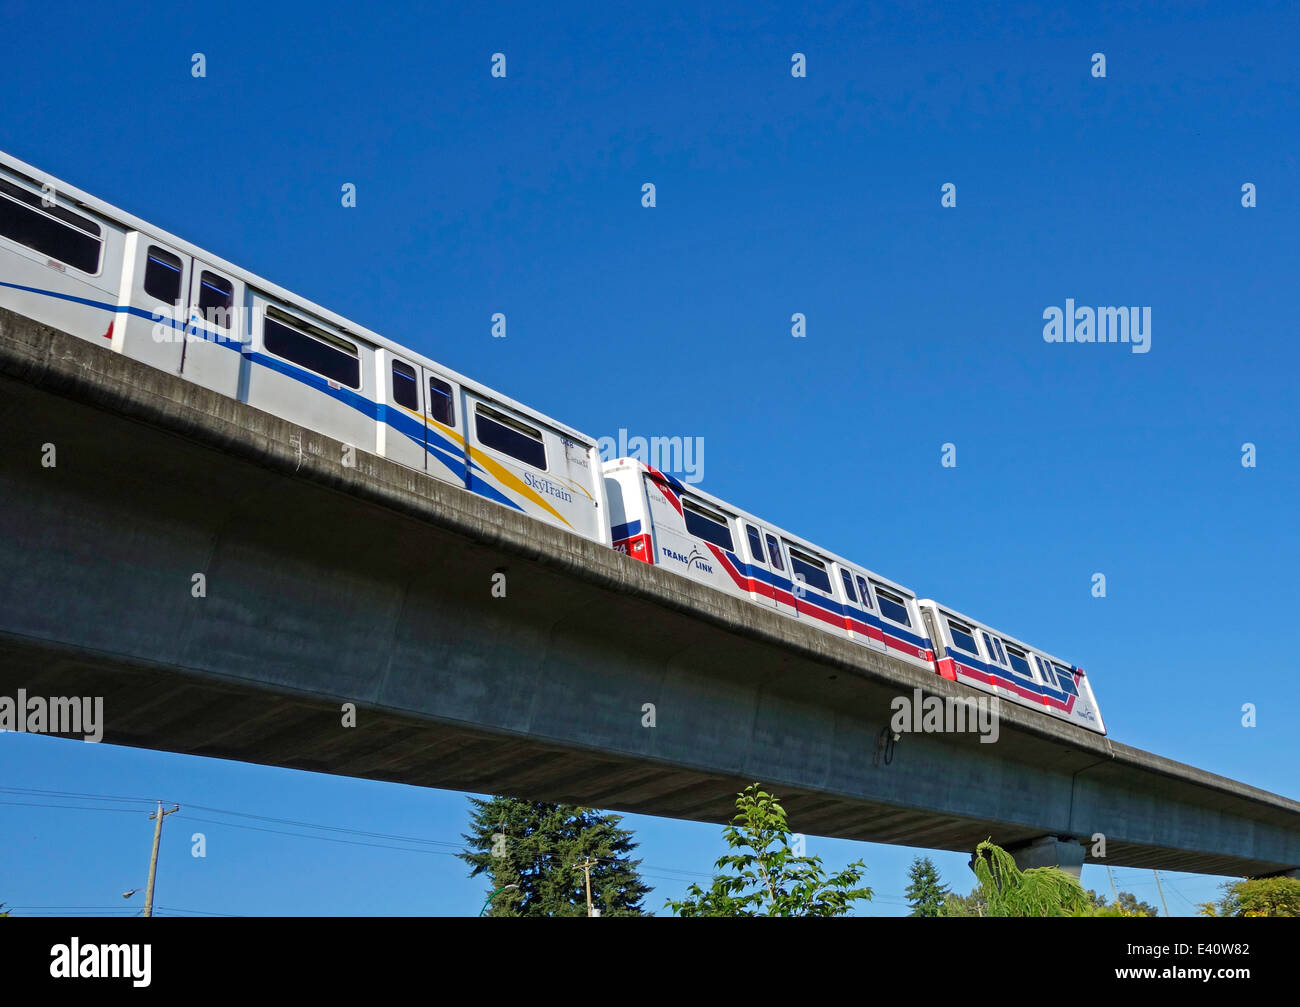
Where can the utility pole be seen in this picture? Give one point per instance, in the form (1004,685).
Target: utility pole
(153,857)
(586,867)
(1111,874)
(1161,890)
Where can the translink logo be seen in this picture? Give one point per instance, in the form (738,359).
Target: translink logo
(695,559)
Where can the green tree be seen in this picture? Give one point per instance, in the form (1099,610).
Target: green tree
(1039,891)
(1130,905)
(766,878)
(1260,897)
(1127,904)
(538,846)
(925,894)
(974,904)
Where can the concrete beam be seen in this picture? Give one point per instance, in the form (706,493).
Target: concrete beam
(371,585)
(1050,851)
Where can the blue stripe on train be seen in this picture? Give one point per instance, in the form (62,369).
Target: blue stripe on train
(1011,678)
(443,449)
(827,604)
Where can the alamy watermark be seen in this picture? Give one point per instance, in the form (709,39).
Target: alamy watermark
(82,715)
(679,456)
(1098,325)
(946,715)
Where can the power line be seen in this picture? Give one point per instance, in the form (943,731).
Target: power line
(68,807)
(64,793)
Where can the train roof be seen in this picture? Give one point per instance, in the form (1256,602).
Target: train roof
(134,223)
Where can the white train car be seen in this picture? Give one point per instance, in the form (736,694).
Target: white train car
(75,263)
(991,661)
(656,519)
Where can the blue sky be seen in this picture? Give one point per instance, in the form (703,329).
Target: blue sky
(775,195)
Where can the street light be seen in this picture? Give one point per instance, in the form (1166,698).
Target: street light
(493,896)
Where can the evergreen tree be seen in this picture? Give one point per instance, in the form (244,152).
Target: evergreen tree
(537,847)
(925,894)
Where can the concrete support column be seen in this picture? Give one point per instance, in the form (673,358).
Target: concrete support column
(1050,851)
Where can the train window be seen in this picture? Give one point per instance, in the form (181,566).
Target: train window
(503,433)
(406,387)
(866,595)
(216,298)
(755,544)
(962,637)
(1018,662)
(706,525)
(50,230)
(1045,670)
(1066,679)
(162,275)
(774,553)
(320,351)
(812,570)
(441,406)
(994,649)
(892,606)
(848,586)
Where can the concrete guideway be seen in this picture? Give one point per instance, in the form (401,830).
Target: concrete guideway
(372,585)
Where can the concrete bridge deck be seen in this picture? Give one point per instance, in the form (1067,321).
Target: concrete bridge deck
(372,585)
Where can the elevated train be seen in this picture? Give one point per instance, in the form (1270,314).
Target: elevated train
(75,263)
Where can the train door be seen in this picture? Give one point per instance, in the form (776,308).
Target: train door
(211,355)
(402,429)
(862,619)
(155,297)
(778,563)
(813,590)
(763,589)
(445,429)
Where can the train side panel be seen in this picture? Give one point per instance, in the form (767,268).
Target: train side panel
(977,655)
(697,536)
(59,264)
(525,463)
